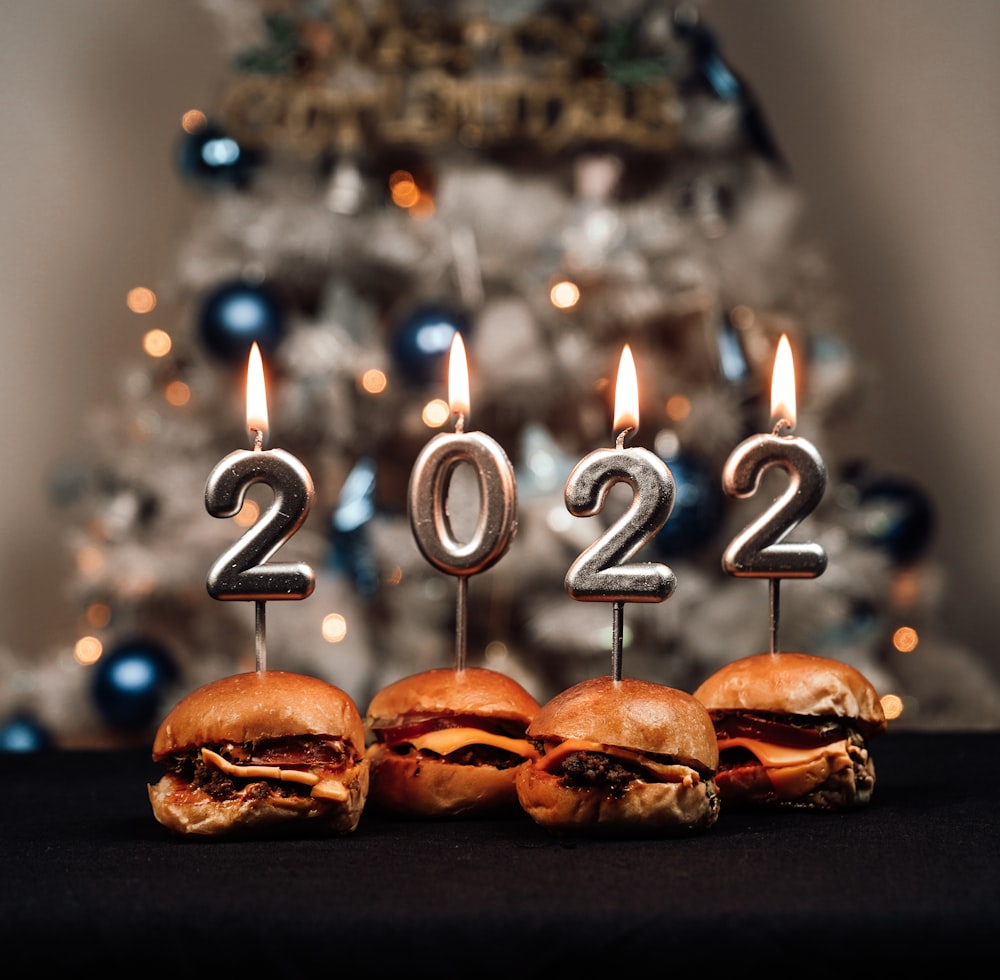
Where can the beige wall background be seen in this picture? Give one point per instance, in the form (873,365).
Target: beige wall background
(887,110)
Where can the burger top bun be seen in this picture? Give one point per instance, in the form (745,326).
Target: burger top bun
(634,714)
(258,705)
(474,690)
(794,684)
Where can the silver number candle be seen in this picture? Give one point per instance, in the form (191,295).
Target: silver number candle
(430,482)
(760,550)
(243,570)
(602,572)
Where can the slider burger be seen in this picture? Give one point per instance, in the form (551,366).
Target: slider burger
(261,750)
(625,758)
(448,743)
(793,731)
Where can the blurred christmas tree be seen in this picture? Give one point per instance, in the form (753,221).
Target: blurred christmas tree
(551,180)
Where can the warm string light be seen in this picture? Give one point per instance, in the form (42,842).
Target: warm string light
(564,295)
(407,194)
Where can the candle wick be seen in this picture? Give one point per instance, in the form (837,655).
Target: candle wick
(781,426)
(459,422)
(258,439)
(620,441)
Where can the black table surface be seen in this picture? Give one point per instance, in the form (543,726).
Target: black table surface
(89,878)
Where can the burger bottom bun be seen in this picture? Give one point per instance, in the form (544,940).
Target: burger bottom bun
(748,786)
(645,809)
(189,811)
(416,785)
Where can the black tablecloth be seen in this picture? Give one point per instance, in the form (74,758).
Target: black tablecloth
(89,879)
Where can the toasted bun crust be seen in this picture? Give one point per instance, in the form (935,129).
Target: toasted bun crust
(187,811)
(633,714)
(256,705)
(646,809)
(447,691)
(794,684)
(423,786)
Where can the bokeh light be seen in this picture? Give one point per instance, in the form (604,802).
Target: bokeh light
(157,343)
(564,294)
(98,615)
(334,628)
(905,639)
(141,299)
(193,120)
(87,650)
(177,393)
(892,706)
(436,412)
(678,408)
(374,381)
(403,189)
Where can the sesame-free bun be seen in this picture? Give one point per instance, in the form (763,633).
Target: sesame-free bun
(424,785)
(794,684)
(247,709)
(256,705)
(447,691)
(640,717)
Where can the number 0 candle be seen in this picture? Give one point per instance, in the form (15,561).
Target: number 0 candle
(430,481)
(600,573)
(243,570)
(760,550)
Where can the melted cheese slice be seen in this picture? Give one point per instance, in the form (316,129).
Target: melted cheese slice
(554,757)
(447,740)
(329,789)
(794,771)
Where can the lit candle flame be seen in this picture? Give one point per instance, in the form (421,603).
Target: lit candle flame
(626,393)
(458,378)
(783,384)
(256,394)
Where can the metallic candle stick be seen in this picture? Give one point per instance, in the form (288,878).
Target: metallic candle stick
(760,551)
(430,481)
(600,574)
(242,571)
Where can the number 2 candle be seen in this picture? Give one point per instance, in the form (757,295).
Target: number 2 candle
(760,550)
(601,573)
(243,570)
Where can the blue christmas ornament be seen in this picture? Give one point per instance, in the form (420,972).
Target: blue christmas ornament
(732,359)
(352,554)
(23,733)
(895,515)
(235,314)
(698,506)
(726,85)
(422,339)
(210,157)
(131,682)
